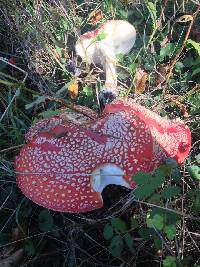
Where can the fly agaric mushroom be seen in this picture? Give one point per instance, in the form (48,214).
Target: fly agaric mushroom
(66,164)
(102,45)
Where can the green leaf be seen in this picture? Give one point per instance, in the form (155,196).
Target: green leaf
(194,171)
(101,36)
(197,157)
(87,90)
(157,242)
(98,38)
(123,75)
(171,162)
(187,261)
(195,45)
(168,216)
(132,67)
(170,231)
(171,191)
(59,50)
(158,180)
(29,248)
(120,57)
(123,14)
(176,175)
(116,246)
(141,178)
(119,225)
(196,203)
(144,191)
(179,66)
(148,183)
(195,101)
(45,221)
(167,51)
(129,241)
(49,113)
(108,231)
(26,210)
(134,223)
(195,197)
(146,233)
(152,10)
(164,170)
(190,61)
(169,261)
(64,88)
(157,221)
(196,71)
(154,199)
(39,100)
(4,238)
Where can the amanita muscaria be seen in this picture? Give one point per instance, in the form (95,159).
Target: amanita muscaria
(102,46)
(70,158)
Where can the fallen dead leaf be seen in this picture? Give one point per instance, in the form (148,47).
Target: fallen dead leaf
(73,90)
(161,75)
(141,77)
(97,15)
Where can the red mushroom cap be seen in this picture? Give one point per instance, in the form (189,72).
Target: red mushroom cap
(56,168)
(54,172)
(172,137)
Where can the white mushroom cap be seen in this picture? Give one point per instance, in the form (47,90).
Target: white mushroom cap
(115,37)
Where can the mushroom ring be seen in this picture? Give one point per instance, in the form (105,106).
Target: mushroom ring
(70,158)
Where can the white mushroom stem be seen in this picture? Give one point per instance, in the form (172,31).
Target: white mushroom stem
(115,37)
(107,174)
(110,69)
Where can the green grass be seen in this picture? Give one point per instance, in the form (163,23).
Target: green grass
(162,229)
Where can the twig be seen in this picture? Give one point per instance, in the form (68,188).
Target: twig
(70,106)
(10,148)
(194,90)
(173,62)
(163,241)
(168,209)
(9,105)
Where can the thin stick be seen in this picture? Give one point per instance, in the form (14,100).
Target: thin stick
(173,62)
(70,106)
(187,216)
(10,148)
(12,100)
